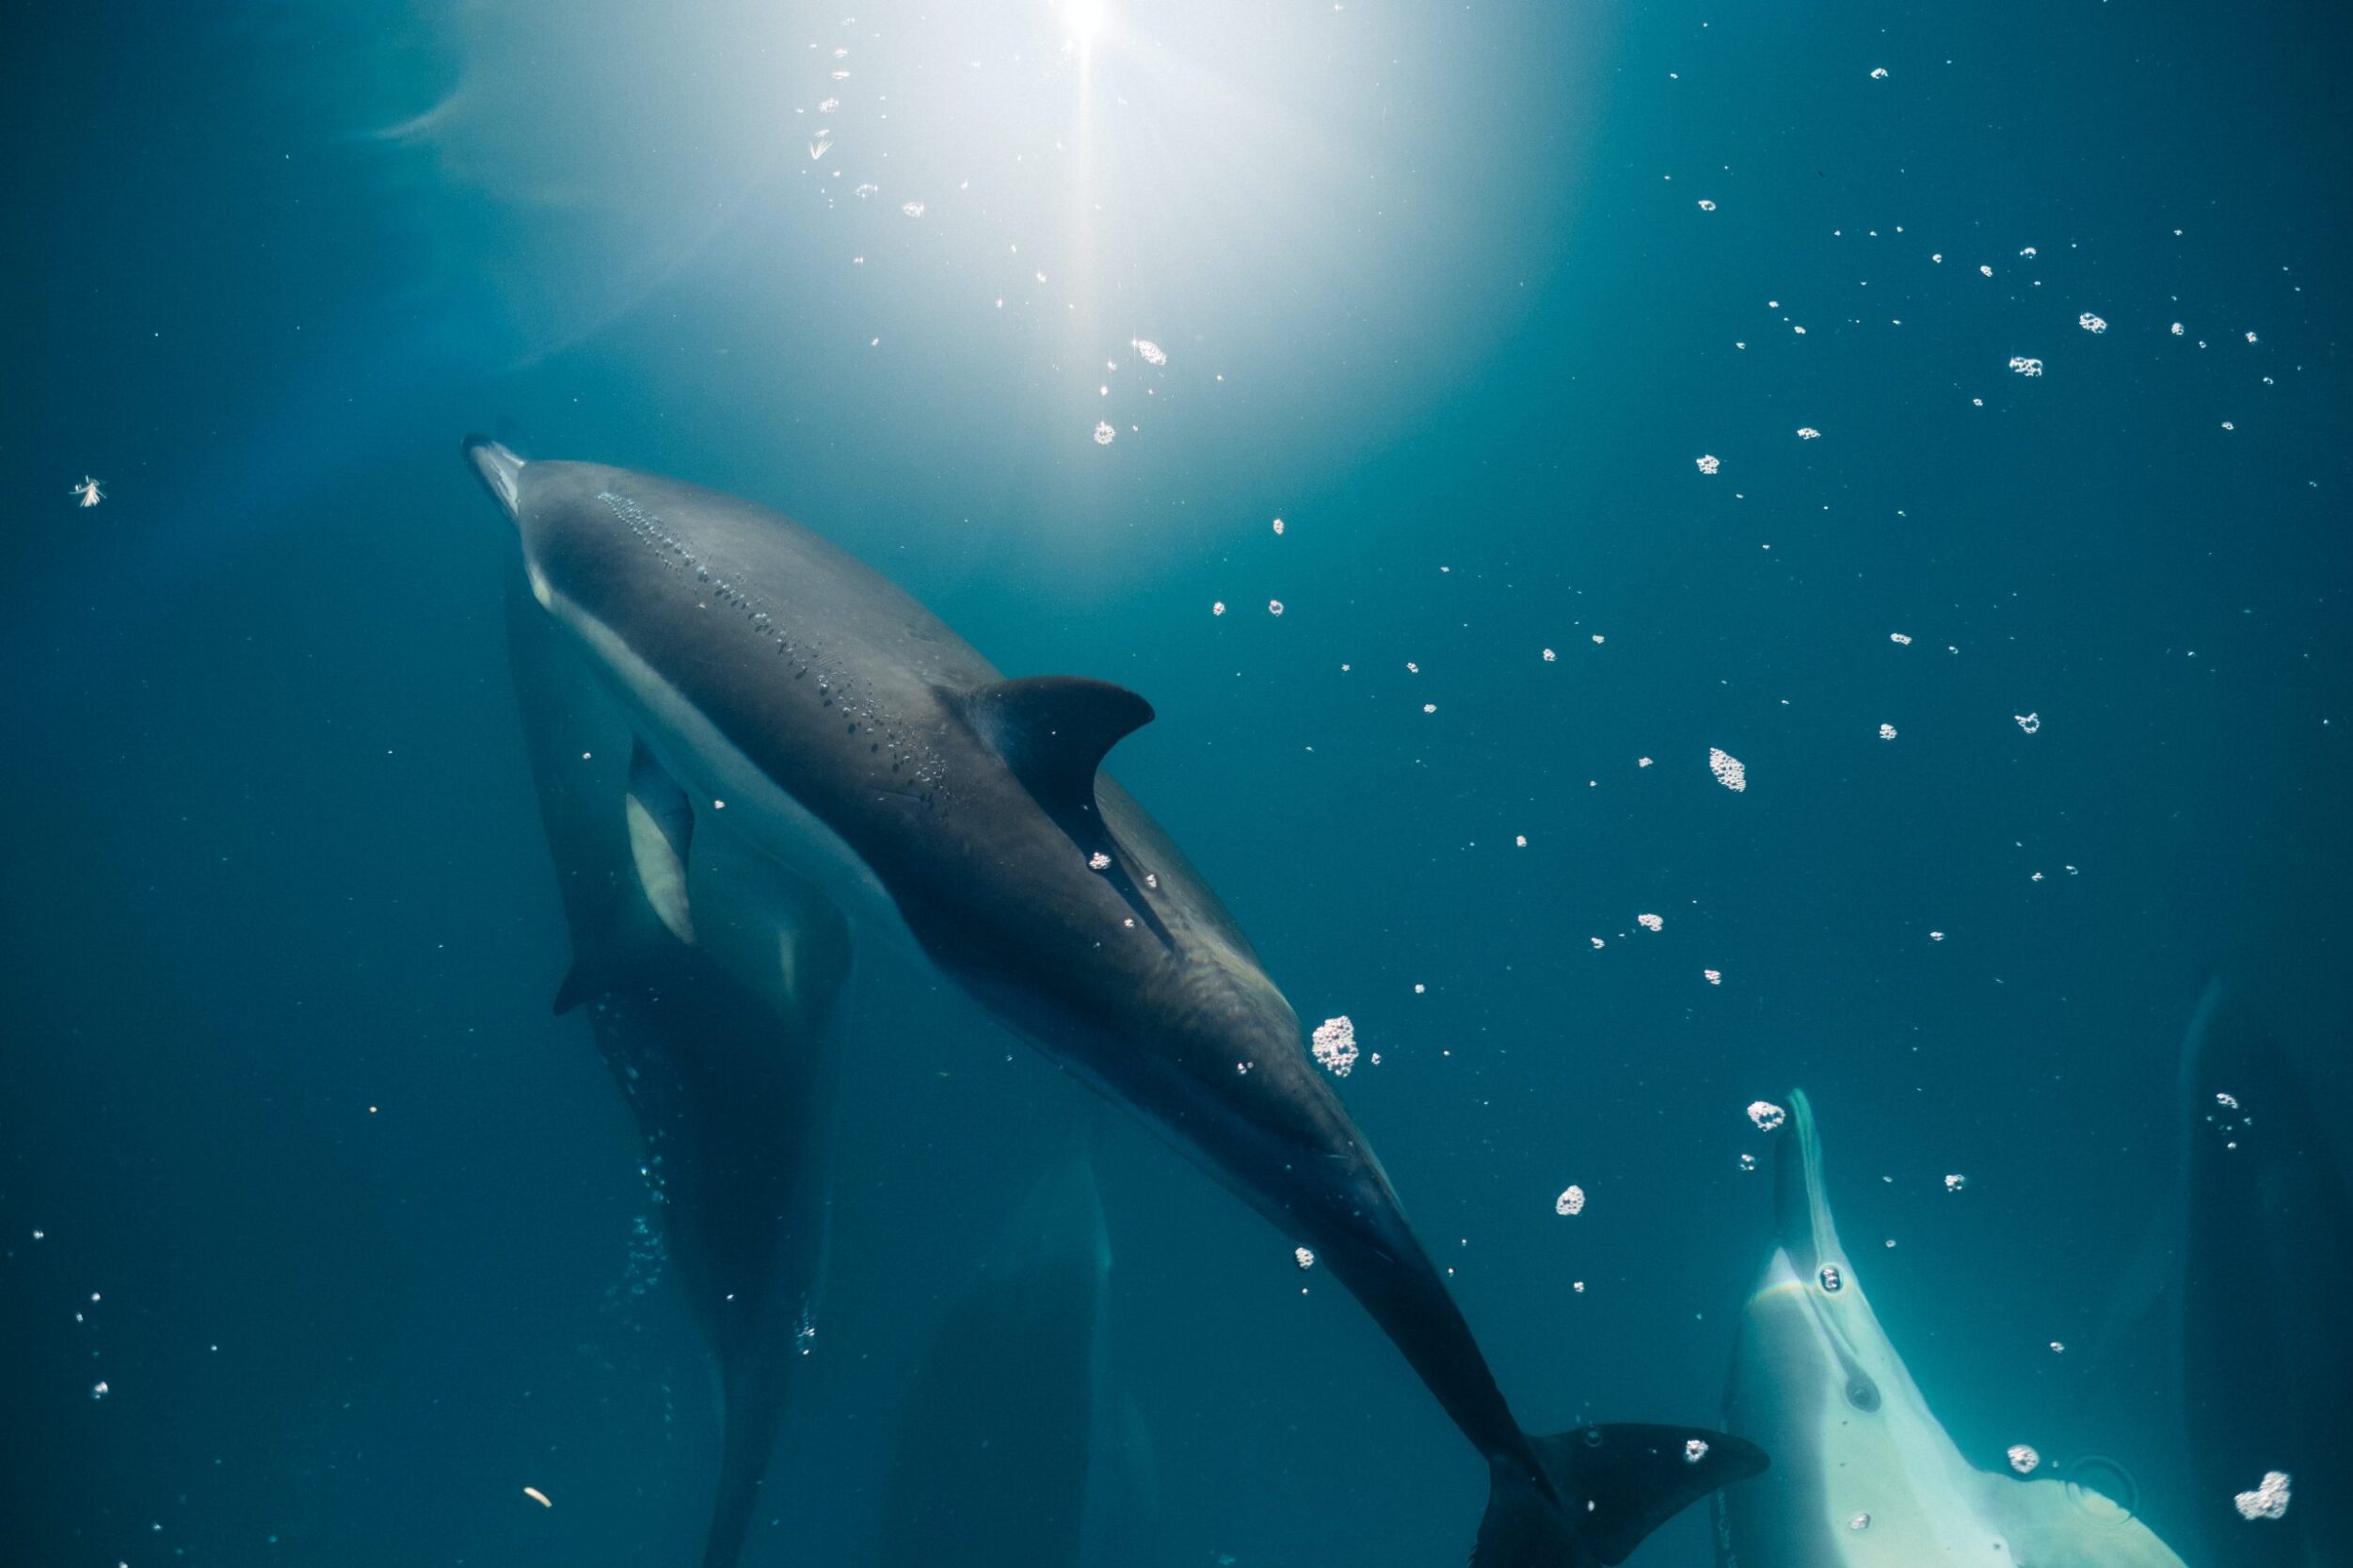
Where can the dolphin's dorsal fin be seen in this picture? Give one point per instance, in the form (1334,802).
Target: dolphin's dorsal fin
(1053,731)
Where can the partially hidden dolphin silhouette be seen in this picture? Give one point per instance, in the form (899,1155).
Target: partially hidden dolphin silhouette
(1864,1474)
(721,1047)
(775,682)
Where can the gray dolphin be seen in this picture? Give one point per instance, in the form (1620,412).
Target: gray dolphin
(2268,1270)
(775,681)
(720,1049)
(1864,1474)
(1018,1449)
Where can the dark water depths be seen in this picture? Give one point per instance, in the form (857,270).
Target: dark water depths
(347,1224)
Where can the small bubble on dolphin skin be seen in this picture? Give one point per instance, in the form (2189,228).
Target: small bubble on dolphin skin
(1860,1522)
(1766,1115)
(1694,1450)
(1570,1202)
(1729,770)
(1334,1045)
(2024,1459)
(2270,1501)
(1303,1257)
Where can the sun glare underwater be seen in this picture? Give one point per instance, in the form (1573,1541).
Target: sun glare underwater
(1098,784)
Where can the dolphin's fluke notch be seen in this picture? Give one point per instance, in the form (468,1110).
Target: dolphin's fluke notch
(1613,1485)
(500,471)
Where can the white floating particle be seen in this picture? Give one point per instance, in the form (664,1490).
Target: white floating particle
(2059,1347)
(99,1390)
(1642,761)
(1149,352)
(2024,1459)
(1714,977)
(1986,271)
(829,106)
(1429,706)
(1936,935)
(2270,1501)
(1519,841)
(1651,922)
(2251,337)
(1305,1259)
(1570,1202)
(913,209)
(1694,1450)
(1709,464)
(2177,329)
(1899,639)
(1766,1115)
(1729,770)
(2091,323)
(1104,434)
(1578,1285)
(1598,943)
(1273,606)
(1748,1162)
(1808,433)
(2028,722)
(1550,656)
(1098,861)
(2024,366)
(87,492)
(2028,252)
(1955,1183)
(1879,73)
(1218,608)
(1278,525)
(1888,731)
(2228,1102)
(1706,206)
(1334,1044)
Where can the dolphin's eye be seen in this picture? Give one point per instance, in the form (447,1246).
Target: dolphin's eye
(1862,1392)
(1832,1279)
(1593,1437)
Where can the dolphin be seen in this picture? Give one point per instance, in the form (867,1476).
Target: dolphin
(720,1047)
(1864,1475)
(1018,1449)
(2267,1269)
(773,680)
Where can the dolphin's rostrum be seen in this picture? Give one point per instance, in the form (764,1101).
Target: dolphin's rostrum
(854,737)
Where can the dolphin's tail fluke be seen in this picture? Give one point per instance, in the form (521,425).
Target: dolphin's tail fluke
(500,470)
(1611,1486)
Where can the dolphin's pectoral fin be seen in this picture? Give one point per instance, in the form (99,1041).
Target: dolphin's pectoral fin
(1053,731)
(1621,1482)
(660,825)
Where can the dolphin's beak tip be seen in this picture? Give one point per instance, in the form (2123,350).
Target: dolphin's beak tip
(500,471)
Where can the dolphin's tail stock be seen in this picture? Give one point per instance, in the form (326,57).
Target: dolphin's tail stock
(1610,1486)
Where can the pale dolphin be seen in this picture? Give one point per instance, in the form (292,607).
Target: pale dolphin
(721,1050)
(1864,1475)
(774,679)
(1017,1449)
(2267,1276)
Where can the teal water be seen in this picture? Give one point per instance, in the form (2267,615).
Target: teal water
(346,1223)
